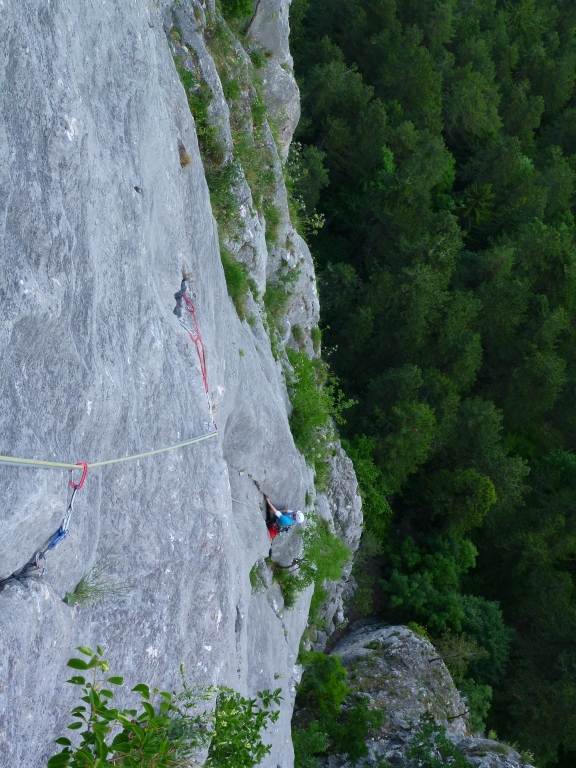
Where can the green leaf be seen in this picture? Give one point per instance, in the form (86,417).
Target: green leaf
(149,709)
(120,738)
(62,759)
(74,726)
(115,680)
(77,680)
(99,651)
(77,664)
(86,651)
(143,689)
(107,693)
(124,747)
(64,741)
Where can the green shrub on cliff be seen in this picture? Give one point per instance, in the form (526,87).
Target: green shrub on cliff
(237,9)
(165,730)
(316,403)
(329,720)
(323,557)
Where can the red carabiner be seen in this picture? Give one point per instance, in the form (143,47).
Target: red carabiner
(79,485)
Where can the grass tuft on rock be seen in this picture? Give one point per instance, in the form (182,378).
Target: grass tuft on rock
(96,584)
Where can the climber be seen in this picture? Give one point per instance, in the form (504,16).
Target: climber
(281,519)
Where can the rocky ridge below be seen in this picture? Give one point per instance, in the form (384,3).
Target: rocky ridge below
(403,676)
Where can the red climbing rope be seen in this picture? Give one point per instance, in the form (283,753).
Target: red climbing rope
(196,337)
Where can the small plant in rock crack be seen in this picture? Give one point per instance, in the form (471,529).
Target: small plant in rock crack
(256,580)
(165,730)
(185,158)
(96,584)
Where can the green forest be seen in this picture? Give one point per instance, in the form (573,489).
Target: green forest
(438,143)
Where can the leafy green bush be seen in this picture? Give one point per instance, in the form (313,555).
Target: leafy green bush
(418,629)
(430,748)
(222,180)
(199,97)
(305,176)
(323,685)
(276,297)
(237,281)
(290,585)
(258,58)
(273,217)
(322,560)
(316,335)
(167,734)
(298,335)
(255,155)
(248,121)
(231,89)
(326,554)
(316,401)
(457,651)
(237,9)
(308,742)
(327,714)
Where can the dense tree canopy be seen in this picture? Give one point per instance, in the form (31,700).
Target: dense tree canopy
(439,141)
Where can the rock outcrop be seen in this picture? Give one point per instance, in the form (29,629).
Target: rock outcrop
(341,507)
(404,678)
(270,29)
(103,202)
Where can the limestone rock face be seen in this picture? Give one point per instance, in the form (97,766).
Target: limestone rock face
(341,507)
(97,219)
(485,753)
(270,29)
(403,677)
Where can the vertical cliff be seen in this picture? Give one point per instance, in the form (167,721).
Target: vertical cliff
(103,203)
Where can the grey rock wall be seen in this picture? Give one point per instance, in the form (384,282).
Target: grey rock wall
(97,218)
(341,507)
(270,30)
